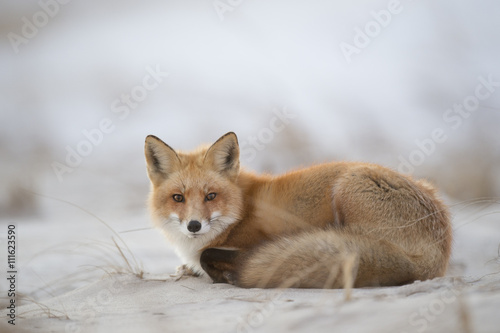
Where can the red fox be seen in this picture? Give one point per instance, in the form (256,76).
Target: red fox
(332,225)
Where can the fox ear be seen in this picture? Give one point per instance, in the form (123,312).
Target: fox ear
(224,155)
(160,158)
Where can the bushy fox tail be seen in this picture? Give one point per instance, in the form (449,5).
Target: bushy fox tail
(326,259)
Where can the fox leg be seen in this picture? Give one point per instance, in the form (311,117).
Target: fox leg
(183,270)
(220,264)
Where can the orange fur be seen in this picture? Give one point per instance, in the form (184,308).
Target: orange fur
(300,229)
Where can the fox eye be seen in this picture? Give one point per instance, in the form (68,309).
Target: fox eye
(210,196)
(178,197)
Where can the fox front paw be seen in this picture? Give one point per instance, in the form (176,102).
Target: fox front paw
(182,271)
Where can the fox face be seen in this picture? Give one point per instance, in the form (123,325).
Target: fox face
(194,195)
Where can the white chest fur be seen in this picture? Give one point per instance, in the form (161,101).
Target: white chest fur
(189,250)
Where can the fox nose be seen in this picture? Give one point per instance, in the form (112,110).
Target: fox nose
(194,226)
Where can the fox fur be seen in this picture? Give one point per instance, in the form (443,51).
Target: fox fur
(332,225)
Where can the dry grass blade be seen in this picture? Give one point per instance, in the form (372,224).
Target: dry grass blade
(123,256)
(134,230)
(44,309)
(94,216)
(349,268)
(464,316)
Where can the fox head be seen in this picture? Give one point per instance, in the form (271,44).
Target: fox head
(194,194)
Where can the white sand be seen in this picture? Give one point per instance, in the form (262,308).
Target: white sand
(125,303)
(461,302)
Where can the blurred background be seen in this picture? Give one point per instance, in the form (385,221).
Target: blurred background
(412,85)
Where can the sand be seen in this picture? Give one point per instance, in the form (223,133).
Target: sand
(119,300)
(126,303)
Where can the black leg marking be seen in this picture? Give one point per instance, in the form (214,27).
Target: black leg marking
(220,265)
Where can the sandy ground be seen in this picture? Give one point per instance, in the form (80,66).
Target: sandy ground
(125,303)
(97,290)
